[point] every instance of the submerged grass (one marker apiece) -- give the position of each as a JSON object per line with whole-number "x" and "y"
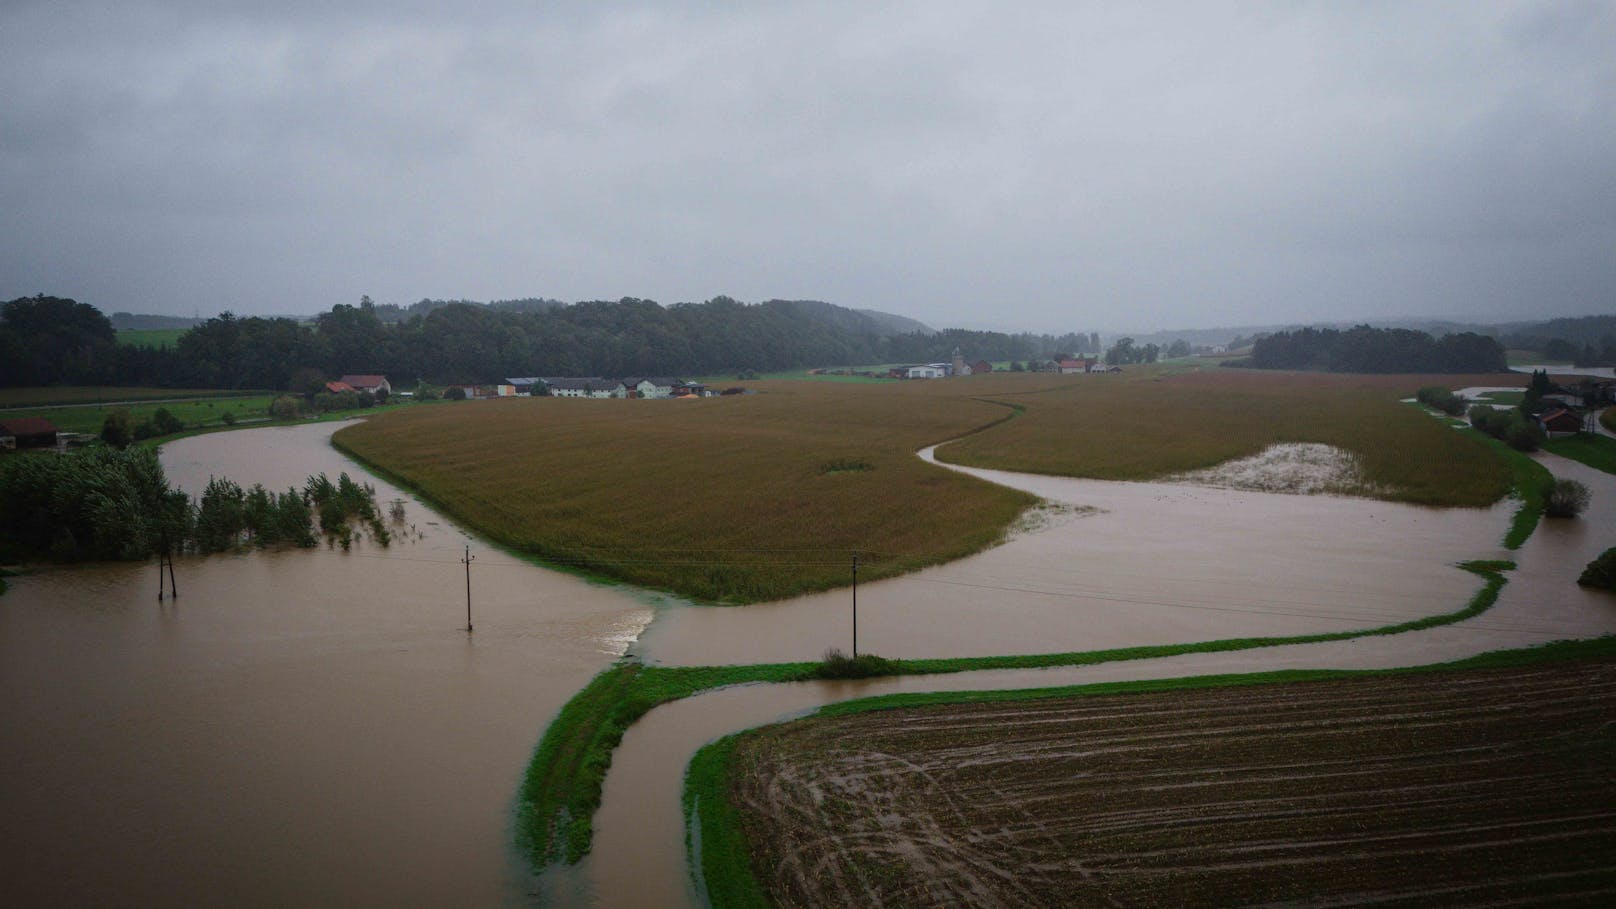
{"x": 717, "y": 846}
{"x": 89, "y": 418}
{"x": 562, "y": 787}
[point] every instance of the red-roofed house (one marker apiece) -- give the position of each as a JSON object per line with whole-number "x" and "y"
{"x": 372, "y": 384}
{"x": 338, "y": 388}
{"x": 1561, "y": 420}
{"x": 980, "y": 367}
{"x": 27, "y": 432}
{"x": 1068, "y": 367}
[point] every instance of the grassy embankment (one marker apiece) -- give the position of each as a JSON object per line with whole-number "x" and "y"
{"x": 1607, "y": 418}
{"x": 719, "y": 843}
{"x": 562, "y": 787}
{"x": 738, "y": 499}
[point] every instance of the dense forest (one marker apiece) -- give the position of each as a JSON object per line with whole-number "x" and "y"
{"x": 50, "y": 341}
{"x": 1382, "y": 350}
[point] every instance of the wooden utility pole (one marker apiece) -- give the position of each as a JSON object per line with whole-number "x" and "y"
{"x": 855, "y": 605}
{"x": 163, "y": 555}
{"x": 468, "y": 560}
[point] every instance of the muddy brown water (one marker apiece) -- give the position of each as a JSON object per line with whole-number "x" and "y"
{"x": 638, "y": 861}
{"x": 299, "y": 728}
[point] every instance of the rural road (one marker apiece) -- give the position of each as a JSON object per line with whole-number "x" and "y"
{"x": 639, "y": 859}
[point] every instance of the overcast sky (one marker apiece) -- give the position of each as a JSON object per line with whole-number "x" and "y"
{"x": 1059, "y": 166}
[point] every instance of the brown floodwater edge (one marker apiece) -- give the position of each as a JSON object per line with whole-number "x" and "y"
{"x": 299, "y": 727}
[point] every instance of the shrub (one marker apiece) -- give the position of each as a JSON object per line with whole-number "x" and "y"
{"x": 284, "y": 407}
{"x": 838, "y": 665}
{"x": 228, "y": 418}
{"x": 1478, "y": 415}
{"x": 118, "y": 429}
{"x": 1566, "y": 499}
{"x": 1524, "y": 436}
{"x": 425, "y": 392}
{"x": 166, "y": 423}
{"x": 1601, "y": 572}
{"x": 455, "y": 393}
{"x": 366, "y": 399}
{"x": 145, "y": 430}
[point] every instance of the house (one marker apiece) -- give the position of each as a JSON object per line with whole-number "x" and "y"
{"x": 655, "y": 386}
{"x": 376, "y": 385}
{"x": 1560, "y": 420}
{"x": 27, "y": 432}
{"x": 338, "y": 388}
{"x": 593, "y": 387}
{"x": 929, "y": 371}
{"x": 524, "y": 385}
{"x": 691, "y": 390}
{"x": 981, "y": 366}
{"x": 1070, "y": 366}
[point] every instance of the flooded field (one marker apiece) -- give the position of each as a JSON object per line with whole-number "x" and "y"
{"x": 300, "y": 727}
{"x": 636, "y": 861}
{"x": 1156, "y": 563}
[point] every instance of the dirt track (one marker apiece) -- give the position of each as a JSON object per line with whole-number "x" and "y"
{"x": 1479, "y": 788}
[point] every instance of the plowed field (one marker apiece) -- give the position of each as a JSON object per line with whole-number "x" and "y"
{"x": 1482, "y": 787}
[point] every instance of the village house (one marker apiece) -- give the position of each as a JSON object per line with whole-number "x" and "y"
{"x": 1070, "y": 366}
{"x": 338, "y": 388}
{"x": 653, "y": 386}
{"x": 592, "y": 387}
{"x": 981, "y": 366}
{"x": 27, "y": 432}
{"x": 1560, "y": 421}
{"x": 376, "y": 385}
{"x": 928, "y": 371}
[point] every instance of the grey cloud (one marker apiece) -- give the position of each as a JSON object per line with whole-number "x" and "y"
{"x": 1049, "y": 165}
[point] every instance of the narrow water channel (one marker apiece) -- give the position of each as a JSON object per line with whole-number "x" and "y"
{"x": 298, "y": 728}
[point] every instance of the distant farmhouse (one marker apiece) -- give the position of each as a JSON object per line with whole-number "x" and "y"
{"x": 591, "y": 387}
{"x": 373, "y": 384}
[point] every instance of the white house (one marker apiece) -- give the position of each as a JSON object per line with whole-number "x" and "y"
{"x": 586, "y": 388}
{"x": 930, "y": 371}
{"x": 657, "y": 386}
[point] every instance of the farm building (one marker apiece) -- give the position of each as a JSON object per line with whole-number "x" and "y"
{"x": 929, "y": 371}
{"x": 1072, "y": 367}
{"x": 653, "y": 386}
{"x": 372, "y": 384}
{"x": 1560, "y": 421}
{"x": 593, "y": 387}
{"x": 27, "y": 432}
{"x": 525, "y": 385}
{"x": 338, "y": 388}
{"x": 981, "y": 366}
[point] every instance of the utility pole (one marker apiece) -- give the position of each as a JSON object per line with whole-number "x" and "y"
{"x": 163, "y": 555}
{"x": 468, "y": 560}
{"x": 855, "y": 605}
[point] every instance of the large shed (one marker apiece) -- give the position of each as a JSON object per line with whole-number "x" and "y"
{"x": 27, "y": 432}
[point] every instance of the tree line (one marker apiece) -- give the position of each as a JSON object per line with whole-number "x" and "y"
{"x": 1365, "y": 349}
{"x": 104, "y": 503}
{"x": 51, "y": 340}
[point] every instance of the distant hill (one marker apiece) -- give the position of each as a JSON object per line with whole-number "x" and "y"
{"x": 897, "y": 325}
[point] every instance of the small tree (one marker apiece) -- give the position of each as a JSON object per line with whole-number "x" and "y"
{"x": 118, "y": 429}
{"x": 1601, "y": 572}
{"x": 1478, "y": 415}
{"x": 284, "y": 407}
{"x": 1524, "y": 435}
{"x": 166, "y": 423}
{"x": 1566, "y": 499}
{"x": 454, "y": 393}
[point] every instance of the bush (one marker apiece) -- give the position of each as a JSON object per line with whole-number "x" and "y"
{"x": 1442, "y": 399}
{"x": 284, "y": 407}
{"x": 1478, "y": 415}
{"x": 326, "y": 402}
{"x": 1566, "y": 499}
{"x": 425, "y": 392}
{"x": 1524, "y": 436}
{"x": 166, "y": 423}
{"x": 229, "y": 419}
{"x": 145, "y": 430}
{"x": 118, "y": 429}
{"x": 1601, "y": 572}
{"x": 455, "y": 393}
{"x": 838, "y": 665}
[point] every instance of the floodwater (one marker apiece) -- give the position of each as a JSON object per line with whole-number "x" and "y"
{"x": 299, "y": 727}
{"x": 638, "y": 859}
{"x": 1159, "y": 563}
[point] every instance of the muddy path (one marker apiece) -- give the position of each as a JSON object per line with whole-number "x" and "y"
{"x": 639, "y": 860}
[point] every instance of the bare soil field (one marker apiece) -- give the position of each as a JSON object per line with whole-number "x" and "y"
{"x": 1477, "y": 787}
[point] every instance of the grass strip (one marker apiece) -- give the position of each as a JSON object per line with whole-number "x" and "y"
{"x": 1598, "y": 452}
{"x": 716, "y": 843}
{"x": 562, "y": 787}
